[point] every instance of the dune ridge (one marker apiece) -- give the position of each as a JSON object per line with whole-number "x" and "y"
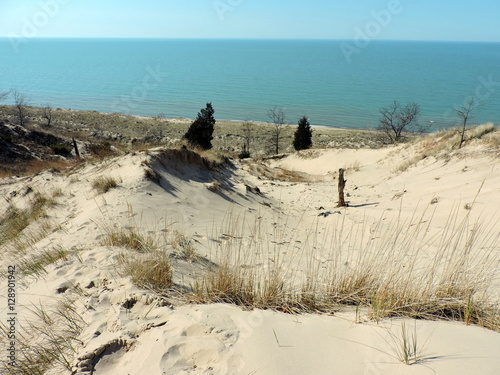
{"x": 195, "y": 263}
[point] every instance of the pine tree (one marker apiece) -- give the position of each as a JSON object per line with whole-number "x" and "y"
{"x": 200, "y": 132}
{"x": 303, "y": 135}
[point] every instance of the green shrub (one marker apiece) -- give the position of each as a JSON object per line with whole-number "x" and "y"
{"x": 303, "y": 135}
{"x": 200, "y": 132}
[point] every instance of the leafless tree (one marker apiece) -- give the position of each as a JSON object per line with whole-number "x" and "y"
{"x": 248, "y": 134}
{"x": 464, "y": 114}
{"x": 21, "y": 103}
{"x": 278, "y": 117}
{"x": 47, "y": 114}
{"x": 397, "y": 119}
{"x": 4, "y": 94}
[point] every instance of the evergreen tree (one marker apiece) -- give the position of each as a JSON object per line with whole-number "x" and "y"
{"x": 303, "y": 135}
{"x": 200, "y": 132}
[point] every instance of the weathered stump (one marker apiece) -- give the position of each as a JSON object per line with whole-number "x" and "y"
{"x": 75, "y": 146}
{"x": 341, "y": 202}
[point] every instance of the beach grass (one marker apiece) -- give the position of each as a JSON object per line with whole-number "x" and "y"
{"x": 151, "y": 270}
{"x": 35, "y": 264}
{"x": 395, "y": 271}
{"x": 103, "y": 184}
{"x": 15, "y": 220}
{"x": 48, "y": 340}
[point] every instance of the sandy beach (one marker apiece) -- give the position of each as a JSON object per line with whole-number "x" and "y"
{"x": 164, "y": 260}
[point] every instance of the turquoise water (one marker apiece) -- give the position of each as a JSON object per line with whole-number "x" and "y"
{"x": 244, "y": 78}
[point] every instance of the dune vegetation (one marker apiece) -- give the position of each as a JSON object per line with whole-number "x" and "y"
{"x": 137, "y": 233}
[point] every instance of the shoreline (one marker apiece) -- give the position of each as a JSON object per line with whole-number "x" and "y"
{"x": 236, "y": 121}
{"x": 187, "y": 120}
{"x": 109, "y": 133}
{"x": 190, "y": 120}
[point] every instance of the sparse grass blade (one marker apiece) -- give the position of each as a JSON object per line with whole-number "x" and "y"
{"x": 35, "y": 265}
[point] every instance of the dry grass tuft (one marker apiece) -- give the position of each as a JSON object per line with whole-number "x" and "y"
{"x": 57, "y": 193}
{"x": 39, "y": 203}
{"x": 480, "y": 131}
{"x": 103, "y": 184}
{"x": 32, "y": 167}
{"x": 35, "y": 264}
{"x": 251, "y": 273}
{"x": 226, "y": 285}
{"x": 215, "y": 186}
{"x": 150, "y": 270}
{"x": 262, "y": 170}
{"x": 32, "y": 235}
{"x": 492, "y": 140}
{"x": 151, "y": 175}
{"x": 129, "y": 239}
{"x": 184, "y": 245}
{"x": 410, "y": 162}
{"x": 14, "y": 221}
{"x": 443, "y": 143}
{"x": 209, "y": 159}
{"x": 354, "y": 166}
{"x": 212, "y": 158}
{"x": 245, "y": 287}
{"x": 394, "y": 277}
{"x": 102, "y": 150}
{"x": 395, "y": 270}
{"x": 148, "y": 265}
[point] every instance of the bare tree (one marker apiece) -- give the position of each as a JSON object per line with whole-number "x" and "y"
{"x": 397, "y": 119}
{"x": 278, "y": 117}
{"x": 464, "y": 114}
{"x": 21, "y": 103}
{"x": 4, "y": 94}
{"x": 47, "y": 114}
{"x": 248, "y": 134}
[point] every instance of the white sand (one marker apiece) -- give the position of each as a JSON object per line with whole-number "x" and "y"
{"x": 154, "y": 339}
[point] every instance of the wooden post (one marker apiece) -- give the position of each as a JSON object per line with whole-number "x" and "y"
{"x": 341, "y": 202}
{"x": 77, "y": 153}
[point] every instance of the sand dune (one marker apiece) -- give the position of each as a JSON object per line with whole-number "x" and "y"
{"x": 200, "y": 210}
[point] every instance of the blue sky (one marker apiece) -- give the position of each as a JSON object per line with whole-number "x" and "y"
{"x": 312, "y": 19}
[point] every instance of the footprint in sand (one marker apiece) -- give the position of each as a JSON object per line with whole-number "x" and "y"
{"x": 197, "y": 330}
{"x": 83, "y": 226}
{"x": 62, "y": 272}
{"x": 199, "y": 353}
{"x": 103, "y": 357}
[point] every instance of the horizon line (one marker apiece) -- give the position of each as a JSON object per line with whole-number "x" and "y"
{"x": 245, "y": 38}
